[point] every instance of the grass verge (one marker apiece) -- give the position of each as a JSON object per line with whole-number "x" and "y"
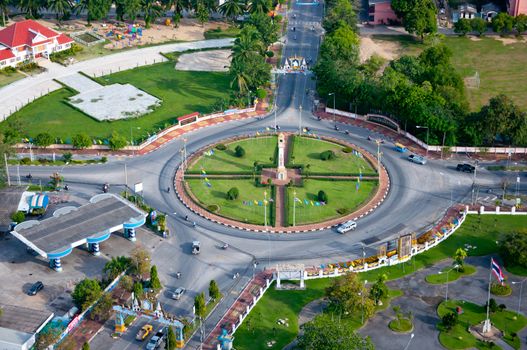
{"x": 453, "y": 275}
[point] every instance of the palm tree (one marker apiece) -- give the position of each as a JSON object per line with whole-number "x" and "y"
{"x": 61, "y": 8}
{"x": 247, "y": 43}
{"x": 231, "y": 9}
{"x": 260, "y": 6}
{"x": 117, "y": 265}
{"x": 239, "y": 76}
{"x": 31, "y": 7}
{"x": 5, "y": 11}
{"x": 151, "y": 11}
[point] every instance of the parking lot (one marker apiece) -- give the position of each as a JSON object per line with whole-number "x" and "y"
{"x": 20, "y": 269}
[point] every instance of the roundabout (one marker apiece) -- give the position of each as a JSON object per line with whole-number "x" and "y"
{"x": 281, "y": 182}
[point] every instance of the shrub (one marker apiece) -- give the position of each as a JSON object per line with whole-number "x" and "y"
{"x": 25, "y": 161}
{"x": 117, "y": 141}
{"x": 322, "y": 196}
{"x": 343, "y": 211}
{"x": 493, "y": 306}
{"x": 66, "y": 157}
{"x": 269, "y": 54}
{"x": 513, "y": 249}
{"x": 449, "y": 320}
{"x": 18, "y": 216}
{"x": 104, "y": 159}
{"x": 81, "y": 140}
{"x": 44, "y": 139}
{"x": 213, "y": 208}
{"x": 261, "y": 93}
{"x": 233, "y": 193}
{"x": 86, "y": 292}
{"x": 499, "y": 289}
{"x": 239, "y": 151}
{"x": 347, "y": 150}
{"x": 327, "y": 155}
{"x": 221, "y": 147}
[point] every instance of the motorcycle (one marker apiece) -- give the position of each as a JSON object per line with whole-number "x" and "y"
{"x": 225, "y": 246}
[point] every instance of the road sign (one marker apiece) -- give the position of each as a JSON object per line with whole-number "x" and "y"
{"x": 138, "y": 187}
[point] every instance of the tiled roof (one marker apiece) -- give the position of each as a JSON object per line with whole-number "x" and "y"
{"x": 6, "y": 54}
{"x": 64, "y": 39}
{"x": 23, "y": 33}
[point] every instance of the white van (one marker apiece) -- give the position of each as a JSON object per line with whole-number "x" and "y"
{"x": 347, "y": 226}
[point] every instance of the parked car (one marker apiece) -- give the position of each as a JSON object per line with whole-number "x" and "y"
{"x": 465, "y": 168}
{"x": 196, "y": 245}
{"x": 178, "y": 293}
{"x": 417, "y": 159}
{"x": 156, "y": 340}
{"x": 347, "y": 226}
{"x": 35, "y": 288}
{"x": 144, "y": 332}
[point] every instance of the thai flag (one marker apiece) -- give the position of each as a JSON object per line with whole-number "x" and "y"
{"x": 497, "y": 271}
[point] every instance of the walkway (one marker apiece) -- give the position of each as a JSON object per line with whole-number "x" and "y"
{"x": 279, "y": 207}
{"x": 79, "y": 82}
{"x": 18, "y": 94}
{"x": 307, "y": 314}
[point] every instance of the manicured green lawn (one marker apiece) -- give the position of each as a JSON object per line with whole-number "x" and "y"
{"x": 460, "y": 338}
{"x": 182, "y": 92}
{"x": 401, "y": 326}
{"x": 453, "y": 275}
{"x": 220, "y": 33}
{"x": 307, "y": 151}
{"x": 500, "y": 67}
{"x": 260, "y": 149}
{"x": 341, "y": 195}
{"x": 261, "y": 325}
{"x": 8, "y": 78}
{"x": 234, "y": 209}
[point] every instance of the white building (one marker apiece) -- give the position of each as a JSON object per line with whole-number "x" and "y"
{"x": 28, "y": 40}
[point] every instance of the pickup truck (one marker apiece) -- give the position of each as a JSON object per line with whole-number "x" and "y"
{"x": 144, "y": 332}
{"x": 196, "y": 247}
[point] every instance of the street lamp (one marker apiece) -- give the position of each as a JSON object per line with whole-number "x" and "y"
{"x": 334, "y": 120}
{"x": 362, "y": 295}
{"x": 409, "y": 341}
{"x": 441, "y": 272}
{"x": 427, "y": 130}
{"x": 521, "y": 290}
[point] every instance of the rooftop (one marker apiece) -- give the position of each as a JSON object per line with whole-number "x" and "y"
{"x": 10, "y": 198}
{"x": 70, "y": 226}
{"x": 23, "y": 319}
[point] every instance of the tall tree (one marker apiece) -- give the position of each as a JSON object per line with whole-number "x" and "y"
{"x": 327, "y": 333}
{"x": 4, "y": 8}
{"x": 202, "y": 13}
{"x": 347, "y": 296}
{"x": 62, "y": 8}
{"x": 117, "y": 265}
{"x": 151, "y": 11}
{"x": 239, "y": 77}
{"x": 127, "y": 9}
{"x": 170, "y": 343}
{"x": 479, "y": 25}
{"x": 502, "y": 23}
{"x": 31, "y": 7}
{"x": 95, "y": 9}
{"x": 340, "y": 13}
{"x": 86, "y": 292}
{"x": 200, "y": 305}
{"x": 231, "y": 9}
{"x": 463, "y": 26}
{"x": 140, "y": 261}
{"x": 214, "y": 290}
{"x": 155, "y": 283}
{"x": 266, "y": 27}
{"x": 260, "y": 6}
{"x": 419, "y": 16}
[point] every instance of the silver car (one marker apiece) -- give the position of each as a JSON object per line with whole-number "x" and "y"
{"x": 178, "y": 293}
{"x": 417, "y": 159}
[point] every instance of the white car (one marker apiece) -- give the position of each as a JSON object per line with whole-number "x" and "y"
{"x": 347, "y": 226}
{"x": 178, "y": 293}
{"x": 417, "y": 159}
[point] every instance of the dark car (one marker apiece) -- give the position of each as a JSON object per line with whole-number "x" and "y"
{"x": 35, "y": 288}
{"x": 465, "y": 168}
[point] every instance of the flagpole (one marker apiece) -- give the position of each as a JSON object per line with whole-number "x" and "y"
{"x": 486, "y": 325}
{"x": 265, "y": 209}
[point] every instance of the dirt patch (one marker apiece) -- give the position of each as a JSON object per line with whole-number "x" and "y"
{"x": 474, "y": 38}
{"x": 207, "y": 61}
{"x": 507, "y": 41}
{"x": 189, "y": 29}
{"x": 388, "y": 50}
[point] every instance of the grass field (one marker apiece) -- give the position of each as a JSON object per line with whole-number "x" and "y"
{"x": 307, "y": 151}
{"x": 500, "y": 66}
{"x": 217, "y": 195}
{"x": 261, "y": 324}
{"x": 453, "y": 275}
{"x": 259, "y": 149}
{"x": 341, "y": 195}
{"x": 8, "y": 78}
{"x": 182, "y": 92}
{"x": 459, "y": 337}
{"x": 403, "y": 325}
{"x": 220, "y": 33}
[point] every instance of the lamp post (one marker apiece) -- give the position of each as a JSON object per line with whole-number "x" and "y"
{"x": 334, "y": 118}
{"x": 300, "y": 120}
{"x": 440, "y": 272}
{"x": 362, "y": 295}
{"x": 409, "y": 341}
{"x": 521, "y": 290}
{"x": 427, "y": 134}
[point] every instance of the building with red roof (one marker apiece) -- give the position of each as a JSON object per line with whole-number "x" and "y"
{"x": 28, "y": 40}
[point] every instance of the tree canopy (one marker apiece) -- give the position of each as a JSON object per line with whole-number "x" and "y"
{"x": 86, "y": 292}
{"x": 419, "y": 16}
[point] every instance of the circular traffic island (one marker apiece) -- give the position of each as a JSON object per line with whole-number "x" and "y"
{"x": 281, "y": 182}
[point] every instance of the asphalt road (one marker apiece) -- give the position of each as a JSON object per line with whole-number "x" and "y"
{"x": 419, "y": 194}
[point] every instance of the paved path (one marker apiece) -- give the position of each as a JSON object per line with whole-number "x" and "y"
{"x": 307, "y": 314}
{"x": 18, "y": 94}
{"x": 422, "y": 299}
{"x": 79, "y": 82}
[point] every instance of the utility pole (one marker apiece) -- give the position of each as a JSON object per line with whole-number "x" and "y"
{"x": 7, "y": 170}
{"x": 300, "y": 120}
{"x": 275, "y": 125}
{"x": 265, "y": 209}
{"x": 125, "y": 177}
{"x": 378, "y": 157}
{"x": 18, "y": 174}
{"x": 294, "y": 208}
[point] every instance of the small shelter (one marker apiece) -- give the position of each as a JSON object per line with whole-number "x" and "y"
{"x": 489, "y": 11}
